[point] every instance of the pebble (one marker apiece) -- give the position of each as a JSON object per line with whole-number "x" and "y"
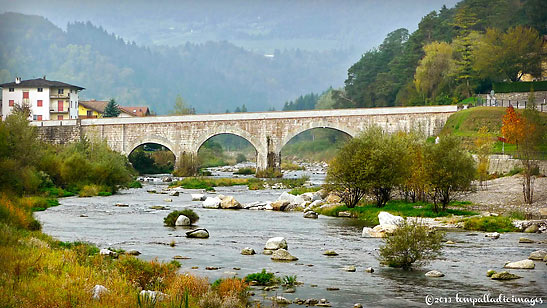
{"x": 358, "y": 305}
{"x": 349, "y": 268}
{"x": 434, "y": 274}
{"x": 212, "y": 268}
{"x": 450, "y": 243}
{"x": 332, "y": 289}
{"x": 194, "y": 267}
{"x": 330, "y": 253}
{"x": 291, "y": 290}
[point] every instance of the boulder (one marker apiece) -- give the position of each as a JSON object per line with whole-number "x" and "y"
{"x": 386, "y": 218}
{"x": 268, "y": 207}
{"x": 276, "y": 243}
{"x": 330, "y": 253}
{"x": 280, "y": 205}
{"x": 315, "y": 203}
{"x": 543, "y": 212}
{"x": 434, "y": 274}
{"x": 153, "y": 295}
{"x": 490, "y": 272}
{"x": 358, "y": 305}
{"x": 369, "y": 270}
{"x": 98, "y": 290}
{"x": 378, "y": 231}
{"x": 230, "y": 202}
{"x": 522, "y": 264}
{"x": 122, "y": 204}
{"x": 107, "y": 252}
{"x": 281, "y": 300}
{"x": 333, "y": 198}
{"x": 182, "y": 221}
{"x": 525, "y": 240}
{"x": 532, "y": 229}
{"x": 174, "y": 193}
{"x": 299, "y": 200}
{"x": 247, "y": 251}
{"x": 311, "y": 214}
{"x": 349, "y": 268}
{"x": 198, "y": 197}
{"x": 287, "y": 197}
{"x": 168, "y": 200}
{"x": 267, "y": 252}
{"x": 538, "y": 255}
{"x": 504, "y": 276}
{"x": 198, "y": 233}
{"x": 344, "y": 214}
{"x": 494, "y": 235}
{"x": 311, "y": 196}
{"x": 133, "y": 252}
{"x": 211, "y": 203}
{"x": 283, "y": 255}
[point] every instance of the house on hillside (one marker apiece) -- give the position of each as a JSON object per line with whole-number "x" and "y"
{"x": 95, "y": 109}
{"x": 47, "y": 99}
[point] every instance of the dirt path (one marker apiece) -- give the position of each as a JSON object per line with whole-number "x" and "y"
{"x": 505, "y": 195}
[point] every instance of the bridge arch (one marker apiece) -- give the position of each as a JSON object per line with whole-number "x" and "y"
{"x": 300, "y": 129}
{"x": 253, "y": 140}
{"x": 152, "y": 139}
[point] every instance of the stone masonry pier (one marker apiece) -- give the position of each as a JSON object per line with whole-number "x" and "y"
{"x": 268, "y": 132}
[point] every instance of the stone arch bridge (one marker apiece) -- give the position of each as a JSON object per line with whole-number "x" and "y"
{"x": 268, "y": 132}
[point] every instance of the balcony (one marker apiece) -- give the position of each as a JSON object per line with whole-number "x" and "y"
{"x": 65, "y": 95}
{"x": 56, "y": 110}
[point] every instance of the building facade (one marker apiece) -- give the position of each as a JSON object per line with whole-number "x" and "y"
{"x": 95, "y": 109}
{"x": 47, "y": 99}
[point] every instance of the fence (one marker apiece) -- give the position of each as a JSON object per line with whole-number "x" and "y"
{"x": 493, "y": 102}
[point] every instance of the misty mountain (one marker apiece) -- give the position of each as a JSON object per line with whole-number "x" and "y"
{"x": 212, "y": 77}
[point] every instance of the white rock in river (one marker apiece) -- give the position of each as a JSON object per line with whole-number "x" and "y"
{"x": 282, "y": 255}
{"x": 386, "y": 218}
{"x": 522, "y": 264}
{"x": 494, "y": 235}
{"x": 98, "y": 290}
{"x": 276, "y": 243}
{"x": 316, "y": 203}
{"x": 198, "y": 197}
{"x": 182, "y": 221}
{"x": 198, "y": 233}
{"x": 311, "y": 214}
{"x": 229, "y": 202}
{"x": 248, "y": 251}
{"x": 434, "y": 274}
{"x": 286, "y": 196}
{"x": 211, "y": 203}
{"x": 538, "y": 255}
{"x": 174, "y": 193}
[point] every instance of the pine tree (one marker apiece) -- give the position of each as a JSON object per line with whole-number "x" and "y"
{"x": 112, "y": 109}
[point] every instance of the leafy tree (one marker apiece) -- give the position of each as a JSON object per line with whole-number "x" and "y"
{"x": 507, "y": 56}
{"x": 181, "y": 107}
{"x": 513, "y": 128}
{"x": 483, "y": 147}
{"x": 370, "y": 163}
{"x": 433, "y": 72}
{"x": 450, "y": 169}
{"x": 112, "y": 109}
{"x": 411, "y": 243}
{"x": 415, "y": 184}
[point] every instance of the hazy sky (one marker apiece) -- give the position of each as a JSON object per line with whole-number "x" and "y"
{"x": 258, "y": 25}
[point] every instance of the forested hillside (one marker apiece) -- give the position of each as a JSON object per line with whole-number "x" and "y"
{"x": 453, "y": 54}
{"x": 211, "y": 77}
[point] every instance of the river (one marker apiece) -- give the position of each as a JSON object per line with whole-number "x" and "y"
{"x": 98, "y": 221}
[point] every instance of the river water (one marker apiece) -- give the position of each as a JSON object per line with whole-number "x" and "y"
{"x": 141, "y": 228}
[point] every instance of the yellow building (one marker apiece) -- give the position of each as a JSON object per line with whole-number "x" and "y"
{"x": 91, "y": 109}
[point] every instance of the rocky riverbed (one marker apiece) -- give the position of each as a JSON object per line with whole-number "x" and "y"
{"x": 350, "y": 275}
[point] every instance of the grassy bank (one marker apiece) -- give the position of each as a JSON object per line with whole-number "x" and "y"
{"x": 209, "y": 184}
{"x": 369, "y": 212}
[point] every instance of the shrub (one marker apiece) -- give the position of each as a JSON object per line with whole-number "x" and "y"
{"x": 240, "y": 158}
{"x": 90, "y": 190}
{"x": 196, "y": 286}
{"x": 231, "y": 287}
{"x": 245, "y": 171}
{"x": 134, "y": 184}
{"x": 489, "y": 224}
{"x": 289, "y": 281}
{"x": 411, "y": 243}
{"x": 148, "y": 275}
{"x": 269, "y": 173}
{"x": 262, "y": 278}
{"x": 172, "y": 217}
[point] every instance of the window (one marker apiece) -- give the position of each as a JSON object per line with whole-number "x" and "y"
{"x": 40, "y": 89}
{"x": 60, "y": 105}
{"x": 11, "y": 89}
{"x": 89, "y": 113}
{"x": 40, "y": 103}
{"x": 60, "y": 91}
{"x": 25, "y": 95}
{"x": 34, "y": 117}
{"x": 11, "y": 102}
{"x": 60, "y": 117}
{"x": 39, "y": 118}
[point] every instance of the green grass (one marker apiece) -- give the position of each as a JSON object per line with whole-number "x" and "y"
{"x": 369, "y": 213}
{"x": 37, "y": 203}
{"x": 262, "y": 278}
{"x": 208, "y": 183}
{"x": 135, "y": 184}
{"x": 301, "y": 190}
{"x": 489, "y": 224}
{"x": 57, "y": 192}
{"x": 245, "y": 171}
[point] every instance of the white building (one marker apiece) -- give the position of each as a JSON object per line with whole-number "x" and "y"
{"x": 48, "y": 99}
